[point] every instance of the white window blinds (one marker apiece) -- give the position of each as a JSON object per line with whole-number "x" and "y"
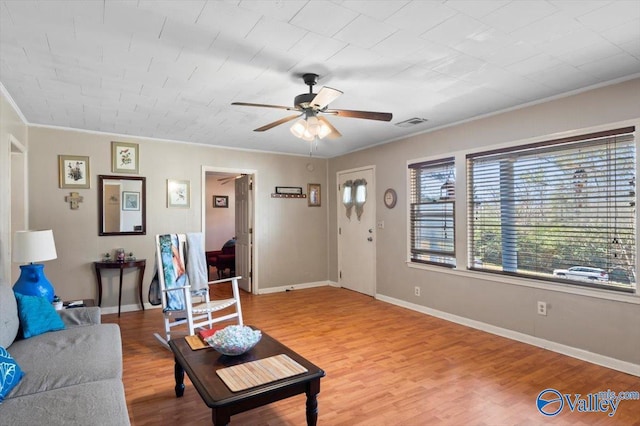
{"x": 432, "y": 212}
{"x": 561, "y": 210}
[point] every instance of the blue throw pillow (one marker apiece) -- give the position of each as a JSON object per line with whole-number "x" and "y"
{"x": 10, "y": 373}
{"x": 37, "y": 315}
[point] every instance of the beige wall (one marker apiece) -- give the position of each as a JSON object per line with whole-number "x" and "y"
{"x": 10, "y": 126}
{"x": 284, "y": 228}
{"x": 596, "y": 325}
{"x": 297, "y": 244}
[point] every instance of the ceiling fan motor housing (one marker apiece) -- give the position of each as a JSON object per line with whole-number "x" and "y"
{"x": 304, "y": 100}
{"x": 310, "y": 79}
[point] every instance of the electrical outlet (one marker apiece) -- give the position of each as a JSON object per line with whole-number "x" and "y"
{"x": 542, "y": 308}
{"x": 416, "y": 291}
{"x": 381, "y": 224}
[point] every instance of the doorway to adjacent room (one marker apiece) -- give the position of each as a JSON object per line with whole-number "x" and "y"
{"x": 228, "y": 220}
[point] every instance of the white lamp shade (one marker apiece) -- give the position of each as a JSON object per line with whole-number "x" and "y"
{"x": 33, "y": 246}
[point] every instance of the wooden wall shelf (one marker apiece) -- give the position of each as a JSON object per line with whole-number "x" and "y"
{"x": 274, "y": 195}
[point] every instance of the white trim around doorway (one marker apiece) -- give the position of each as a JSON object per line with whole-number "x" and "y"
{"x": 256, "y": 211}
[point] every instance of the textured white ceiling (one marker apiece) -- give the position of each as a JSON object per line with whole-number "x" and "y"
{"x": 171, "y": 69}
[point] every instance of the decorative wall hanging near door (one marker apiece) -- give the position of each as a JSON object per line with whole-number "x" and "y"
{"x": 354, "y": 193}
{"x": 347, "y": 197}
{"x": 360, "y": 186}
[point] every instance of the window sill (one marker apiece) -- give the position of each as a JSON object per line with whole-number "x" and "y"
{"x": 532, "y": 283}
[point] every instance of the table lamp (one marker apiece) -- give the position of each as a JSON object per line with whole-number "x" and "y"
{"x": 34, "y": 246}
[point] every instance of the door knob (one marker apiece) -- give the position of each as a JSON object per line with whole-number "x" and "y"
{"x": 370, "y": 239}
{"x": 371, "y": 230}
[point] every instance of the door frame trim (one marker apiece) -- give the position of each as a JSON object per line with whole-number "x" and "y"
{"x": 339, "y": 207}
{"x": 16, "y": 149}
{"x": 254, "y": 207}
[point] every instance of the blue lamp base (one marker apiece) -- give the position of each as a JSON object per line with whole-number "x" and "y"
{"x": 32, "y": 282}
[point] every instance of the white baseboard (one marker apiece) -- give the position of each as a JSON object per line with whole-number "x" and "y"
{"x": 594, "y": 358}
{"x": 293, "y": 287}
{"x": 126, "y": 308}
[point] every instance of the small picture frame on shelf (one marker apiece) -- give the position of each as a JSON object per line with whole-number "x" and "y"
{"x": 178, "y": 193}
{"x": 124, "y": 157}
{"x": 313, "y": 195}
{"x": 221, "y": 201}
{"x": 120, "y": 256}
{"x": 73, "y": 171}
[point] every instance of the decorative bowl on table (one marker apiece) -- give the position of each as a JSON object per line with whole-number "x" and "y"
{"x": 234, "y": 339}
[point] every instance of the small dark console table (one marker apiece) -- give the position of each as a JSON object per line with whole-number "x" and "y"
{"x": 138, "y": 264}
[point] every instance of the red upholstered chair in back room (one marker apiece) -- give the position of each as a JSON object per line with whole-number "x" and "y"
{"x": 223, "y": 259}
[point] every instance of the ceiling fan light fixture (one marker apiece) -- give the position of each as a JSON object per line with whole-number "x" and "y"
{"x": 312, "y": 124}
{"x": 299, "y": 128}
{"x": 308, "y": 128}
{"x": 323, "y": 130}
{"x": 308, "y": 135}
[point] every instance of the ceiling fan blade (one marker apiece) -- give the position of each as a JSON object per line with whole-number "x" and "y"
{"x": 334, "y": 132}
{"x": 263, "y": 105}
{"x": 367, "y": 115}
{"x": 325, "y": 96}
{"x": 228, "y": 179}
{"x": 277, "y": 123}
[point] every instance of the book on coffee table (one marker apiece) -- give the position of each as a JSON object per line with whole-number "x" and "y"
{"x": 195, "y": 342}
{"x": 207, "y": 332}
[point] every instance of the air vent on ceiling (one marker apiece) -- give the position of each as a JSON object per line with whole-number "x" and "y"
{"x": 411, "y": 122}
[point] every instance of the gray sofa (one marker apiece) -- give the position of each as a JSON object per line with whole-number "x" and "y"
{"x": 71, "y": 377}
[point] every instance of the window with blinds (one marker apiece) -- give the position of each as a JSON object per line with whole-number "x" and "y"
{"x": 432, "y": 212}
{"x": 561, "y": 210}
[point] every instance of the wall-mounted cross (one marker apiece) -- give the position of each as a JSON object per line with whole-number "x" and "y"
{"x": 74, "y": 199}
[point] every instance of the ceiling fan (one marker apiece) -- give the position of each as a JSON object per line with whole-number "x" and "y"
{"x": 310, "y": 108}
{"x": 228, "y": 179}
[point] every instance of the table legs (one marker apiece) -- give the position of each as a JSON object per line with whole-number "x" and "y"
{"x": 140, "y": 278}
{"x": 120, "y": 291}
{"x": 313, "y": 389}
{"x": 139, "y": 265}
{"x": 178, "y": 373}
{"x": 220, "y": 416}
{"x": 99, "y": 278}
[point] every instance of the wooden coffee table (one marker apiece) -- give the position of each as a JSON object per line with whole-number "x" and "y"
{"x": 201, "y": 366}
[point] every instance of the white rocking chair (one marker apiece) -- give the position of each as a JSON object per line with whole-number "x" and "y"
{"x": 179, "y": 305}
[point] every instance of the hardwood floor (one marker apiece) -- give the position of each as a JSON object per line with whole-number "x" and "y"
{"x": 384, "y": 365}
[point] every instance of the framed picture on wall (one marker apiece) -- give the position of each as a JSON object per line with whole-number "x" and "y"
{"x": 178, "y": 193}
{"x": 313, "y": 195}
{"x": 130, "y": 200}
{"x": 73, "y": 171}
{"x": 124, "y": 157}
{"x": 221, "y": 201}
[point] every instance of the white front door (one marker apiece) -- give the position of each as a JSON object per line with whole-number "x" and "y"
{"x": 356, "y": 236}
{"x": 243, "y": 231}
